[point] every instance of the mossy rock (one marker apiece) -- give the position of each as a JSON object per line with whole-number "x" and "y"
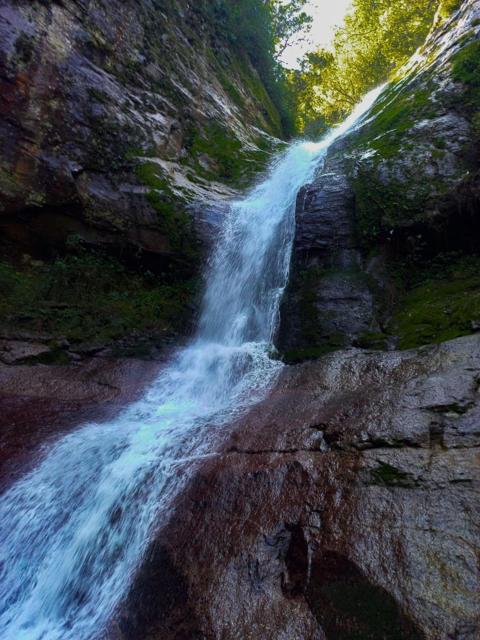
{"x": 442, "y": 305}
{"x": 389, "y": 476}
{"x": 328, "y": 345}
{"x": 88, "y": 296}
{"x": 173, "y": 219}
{"x": 466, "y": 69}
{"x": 231, "y": 163}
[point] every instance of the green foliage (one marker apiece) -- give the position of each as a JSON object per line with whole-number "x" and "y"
{"x": 256, "y": 28}
{"x": 378, "y": 36}
{"x": 290, "y": 23}
{"x": 88, "y": 296}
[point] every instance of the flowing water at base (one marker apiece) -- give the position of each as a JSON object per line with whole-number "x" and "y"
{"x": 73, "y": 531}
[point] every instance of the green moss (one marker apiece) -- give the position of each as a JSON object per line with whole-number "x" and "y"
{"x": 318, "y": 331}
{"x": 258, "y": 90}
{"x": 9, "y": 184}
{"x": 466, "y": 69}
{"x": 172, "y": 217}
{"x": 231, "y": 90}
{"x": 231, "y": 163}
{"x": 372, "y": 340}
{"x": 222, "y": 147}
{"x": 329, "y": 344}
{"x": 387, "y": 203}
{"x": 98, "y": 95}
{"x": 447, "y": 7}
{"x": 441, "y": 306}
{"x": 389, "y": 476}
{"x": 394, "y": 114}
{"x": 25, "y": 47}
{"x": 90, "y": 297}
{"x": 454, "y": 408}
{"x": 381, "y": 207}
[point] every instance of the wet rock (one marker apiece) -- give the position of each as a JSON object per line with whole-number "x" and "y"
{"x": 330, "y": 299}
{"x": 15, "y": 351}
{"x": 39, "y": 402}
{"x": 394, "y": 202}
{"x": 89, "y": 94}
{"x": 414, "y": 173}
{"x": 366, "y": 530}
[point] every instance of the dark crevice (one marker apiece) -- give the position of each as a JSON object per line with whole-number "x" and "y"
{"x": 294, "y": 581}
{"x": 350, "y": 606}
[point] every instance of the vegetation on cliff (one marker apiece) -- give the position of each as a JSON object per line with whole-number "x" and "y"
{"x": 376, "y": 38}
{"x": 262, "y": 29}
{"x": 182, "y": 102}
{"x": 90, "y": 297}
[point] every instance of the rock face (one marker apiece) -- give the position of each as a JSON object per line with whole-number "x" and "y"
{"x": 41, "y": 402}
{"x": 105, "y": 109}
{"x": 343, "y": 506}
{"x": 386, "y": 230}
{"x": 329, "y": 302}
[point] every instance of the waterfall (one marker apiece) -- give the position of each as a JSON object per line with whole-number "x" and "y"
{"x": 73, "y": 530}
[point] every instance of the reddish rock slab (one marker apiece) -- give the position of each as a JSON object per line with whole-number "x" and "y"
{"x": 345, "y": 505}
{"x": 38, "y": 402}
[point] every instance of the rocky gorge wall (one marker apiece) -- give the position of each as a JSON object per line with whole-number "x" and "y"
{"x": 117, "y": 120}
{"x": 386, "y": 249}
{"x": 100, "y": 97}
{"x": 345, "y": 505}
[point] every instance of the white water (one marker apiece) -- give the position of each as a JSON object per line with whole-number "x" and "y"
{"x": 73, "y": 531}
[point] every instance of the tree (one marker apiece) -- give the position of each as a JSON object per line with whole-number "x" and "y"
{"x": 290, "y": 23}
{"x": 377, "y": 37}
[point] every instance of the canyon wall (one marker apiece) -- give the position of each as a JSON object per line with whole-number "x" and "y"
{"x": 124, "y": 127}
{"x": 386, "y": 249}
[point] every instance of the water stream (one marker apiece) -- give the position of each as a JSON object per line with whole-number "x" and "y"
{"x": 73, "y": 530}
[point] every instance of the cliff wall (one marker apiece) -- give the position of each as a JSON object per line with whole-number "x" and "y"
{"x": 386, "y": 249}
{"x": 121, "y": 123}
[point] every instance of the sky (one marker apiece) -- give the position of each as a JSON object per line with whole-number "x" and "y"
{"x": 327, "y": 15}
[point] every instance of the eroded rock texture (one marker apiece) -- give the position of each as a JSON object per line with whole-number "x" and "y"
{"x": 330, "y": 300}
{"x": 346, "y": 505}
{"x": 106, "y": 108}
{"x": 394, "y": 209}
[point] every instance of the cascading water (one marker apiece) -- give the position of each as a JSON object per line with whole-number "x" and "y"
{"x": 73, "y": 531}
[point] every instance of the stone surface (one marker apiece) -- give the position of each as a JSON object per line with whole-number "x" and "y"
{"x": 415, "y": 165}
{"x": 90, "y": 91}
{"x": 343, "y": 506}
{"x": 41, "y": 402}
{"x": 13, "y": 351}
{"x": 329, "y": 302}
{"x": 391, "y": 197}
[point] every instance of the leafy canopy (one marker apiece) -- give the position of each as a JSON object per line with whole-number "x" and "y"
{"x": 262, "y": 29}
{"x": 290, "y": 23}
{"x": 377, "y": 37}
